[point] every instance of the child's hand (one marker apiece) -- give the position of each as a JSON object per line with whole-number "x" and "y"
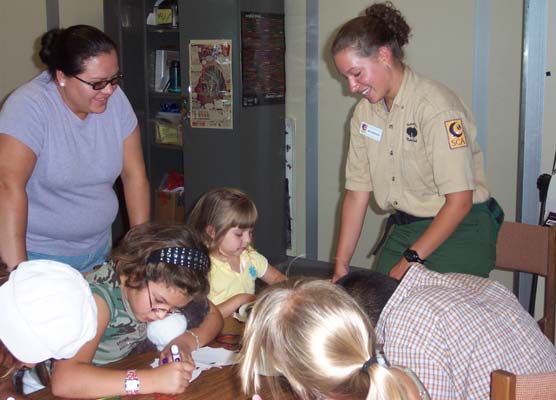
{"x": 228, "y": 307}
{"x": 173, "y": 378}
{"x": 185, "y": 350}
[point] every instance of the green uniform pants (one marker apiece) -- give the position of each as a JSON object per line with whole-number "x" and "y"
{"x": 471, "y": 249}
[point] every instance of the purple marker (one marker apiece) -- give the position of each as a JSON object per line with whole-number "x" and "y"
{"x": 175, "y": 353}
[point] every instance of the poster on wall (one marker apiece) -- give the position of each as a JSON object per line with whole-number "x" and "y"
{"x": 262, "y": 59}
{"x": 210, "y": 75}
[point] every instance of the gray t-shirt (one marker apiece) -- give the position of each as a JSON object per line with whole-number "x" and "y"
{"x": 70, "y": 193}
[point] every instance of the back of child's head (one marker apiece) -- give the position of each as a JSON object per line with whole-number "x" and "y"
{"x": 170, "y": 254}
{"x": 316, "y": 336}
{"x": 219, "y": 210}
{"x": 370, "y": 289}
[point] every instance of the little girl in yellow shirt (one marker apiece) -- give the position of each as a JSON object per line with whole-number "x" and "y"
{"x": 225, "y": 218}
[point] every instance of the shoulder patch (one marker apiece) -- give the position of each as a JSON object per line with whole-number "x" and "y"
{"x": 456, "y": 134}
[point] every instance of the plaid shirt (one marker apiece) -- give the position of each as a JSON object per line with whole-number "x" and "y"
{"x": 453, "y": 330}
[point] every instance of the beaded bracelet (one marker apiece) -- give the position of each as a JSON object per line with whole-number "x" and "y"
{"x": 196, "y": 338}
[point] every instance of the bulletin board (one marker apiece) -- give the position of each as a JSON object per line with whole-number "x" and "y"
{"x": 262, "y": 59}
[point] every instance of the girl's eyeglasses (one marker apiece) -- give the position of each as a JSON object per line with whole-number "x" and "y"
{"x": 159, "y": 311}
{"x": 102, "y": 84}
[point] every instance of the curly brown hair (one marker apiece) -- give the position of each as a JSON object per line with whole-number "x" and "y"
{"x": 132, "y": 254}
{"x": 382, "y": 25}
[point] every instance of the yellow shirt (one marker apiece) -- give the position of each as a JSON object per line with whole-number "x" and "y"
{"x": 225, "y": 282}
{"x": 424, "y": 148}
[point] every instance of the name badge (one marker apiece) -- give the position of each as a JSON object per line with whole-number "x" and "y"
{"x": 370, "y": 131}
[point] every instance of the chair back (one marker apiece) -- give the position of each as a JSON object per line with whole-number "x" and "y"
{"x": 531, "y": 248}
{"x": 507, "y": 386}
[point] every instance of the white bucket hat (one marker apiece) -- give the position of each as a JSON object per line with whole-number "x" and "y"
{"x": 48, "y": 311}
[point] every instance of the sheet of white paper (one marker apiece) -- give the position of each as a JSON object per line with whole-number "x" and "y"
{"x": 208, "y": 357}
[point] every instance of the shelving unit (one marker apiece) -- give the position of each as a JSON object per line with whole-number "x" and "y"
{"x": 251, "y": 154}
{"x": 125, "y": 22}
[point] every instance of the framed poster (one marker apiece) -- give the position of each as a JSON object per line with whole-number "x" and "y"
{"x": 262, "y": 59}
{"x": 210, "y": 75}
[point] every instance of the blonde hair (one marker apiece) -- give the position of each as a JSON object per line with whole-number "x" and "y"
{"x": 315, "y": 335}
{"x": 221, "y": 209}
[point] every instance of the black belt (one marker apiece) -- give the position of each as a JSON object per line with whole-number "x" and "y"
{"x": 401, "y": 218}
{"x": 398, "y": 218}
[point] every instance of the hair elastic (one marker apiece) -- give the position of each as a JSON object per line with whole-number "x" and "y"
{"x": 368, "y": 363}
{"x": 182, "y": 256}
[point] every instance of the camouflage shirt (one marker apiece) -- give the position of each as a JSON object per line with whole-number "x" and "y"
{"x": 124, "y": 331}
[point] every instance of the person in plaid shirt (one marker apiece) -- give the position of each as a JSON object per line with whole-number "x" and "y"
{"x": 451, "y": 329}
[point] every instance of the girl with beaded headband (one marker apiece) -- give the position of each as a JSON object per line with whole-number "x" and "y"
{"x": 155, "y": 271}
{"x": 225, "y": 218}
{"x": 312, "y": 333}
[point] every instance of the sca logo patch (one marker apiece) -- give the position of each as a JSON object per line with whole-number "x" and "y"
{"x": 456, "y": 135}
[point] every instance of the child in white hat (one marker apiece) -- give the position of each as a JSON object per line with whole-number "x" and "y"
{"x": 48, "y": 311}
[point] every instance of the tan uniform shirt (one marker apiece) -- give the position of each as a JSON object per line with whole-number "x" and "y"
{"x": 424, "y": 148}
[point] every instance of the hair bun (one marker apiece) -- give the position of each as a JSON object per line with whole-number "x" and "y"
{"x": 49, "y": 40}
{"x": 392, "y": 18}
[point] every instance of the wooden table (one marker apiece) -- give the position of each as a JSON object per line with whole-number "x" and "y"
{"x": 216, "y": 383}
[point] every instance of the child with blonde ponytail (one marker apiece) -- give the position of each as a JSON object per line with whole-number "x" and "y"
{"x": 315, "y": 335}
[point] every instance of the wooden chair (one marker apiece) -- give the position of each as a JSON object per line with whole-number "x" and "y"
{"x": 531, "y": 248}
{"x": 507, "y": 386}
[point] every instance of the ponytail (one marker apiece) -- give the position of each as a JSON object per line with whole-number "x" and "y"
{"x": 383, "y": 385}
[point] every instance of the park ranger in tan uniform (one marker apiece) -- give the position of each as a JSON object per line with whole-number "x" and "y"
{"x": 413, "y": 144}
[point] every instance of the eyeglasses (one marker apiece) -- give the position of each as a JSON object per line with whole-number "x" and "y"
{"x": 102, "y": 84}
{"x": 159, "y": 310}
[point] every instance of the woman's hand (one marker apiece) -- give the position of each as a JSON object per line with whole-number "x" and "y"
{"x": 17, "y": 162}
{"x": 400, "y": 269}
{"x": 354, "y": 208}
{"x": 339, "y": 271}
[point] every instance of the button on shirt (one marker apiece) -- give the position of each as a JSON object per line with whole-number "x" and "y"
{"x": 417, "y": 158}
{"x": 453, "y": 330}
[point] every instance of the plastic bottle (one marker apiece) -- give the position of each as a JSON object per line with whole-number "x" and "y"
{"x": 175, "y": 77}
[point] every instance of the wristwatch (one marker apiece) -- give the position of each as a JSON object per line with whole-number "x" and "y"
{"x": 412, "y": 256}
{"x": 131, "y": 382}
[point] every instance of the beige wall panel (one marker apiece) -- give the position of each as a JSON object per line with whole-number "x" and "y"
{"x": 75, "y": 12}
{"x": 22, "y": 23}
{"x": 335, "y": 107}
{"x": 549, "y": 125}
{"x": 504, "y": 103}
{"x": 504, "y": 108}
{"x": 295, "y": 17}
